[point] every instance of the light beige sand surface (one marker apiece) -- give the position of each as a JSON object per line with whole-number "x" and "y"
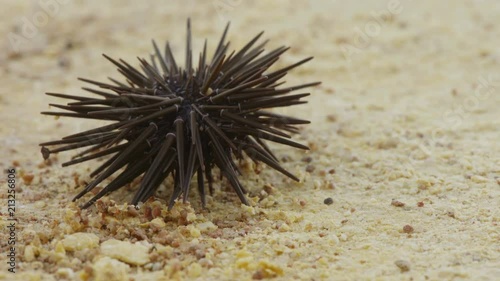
{"x": 405, "y": 139}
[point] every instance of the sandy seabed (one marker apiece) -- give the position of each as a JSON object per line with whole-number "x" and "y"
{"x": 404, "y": 139}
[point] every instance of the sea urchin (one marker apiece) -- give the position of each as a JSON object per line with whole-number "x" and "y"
{"x": 169, "y": 120}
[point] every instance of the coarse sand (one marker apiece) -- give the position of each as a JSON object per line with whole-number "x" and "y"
{"x": 402, "y": 181}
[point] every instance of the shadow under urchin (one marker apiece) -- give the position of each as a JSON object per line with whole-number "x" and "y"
{"x": 168, "y": 120}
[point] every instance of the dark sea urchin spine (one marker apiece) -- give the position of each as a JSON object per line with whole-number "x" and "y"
{"x": 167, "y": 120}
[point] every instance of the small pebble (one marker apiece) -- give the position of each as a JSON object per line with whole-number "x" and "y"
{"x": 331, "y": 185}
{"x": 317, "y": 184}
{"x": 307, "y": 159}
{"x": 133, "y": 254}
{"x": 69, "y": 45}
{"x": 310, "y": 168}
{"x": 331, "y": 117}
{"x": 286, "y": 158}
{"x": 64, "y": 62}
{"x": 28, "y": 178}
{"x": 397, "y": 203}
{"x": 109, "y": 269}
{"x": 79, "y": 241}
{"x": 207, "y": 226}
{"x": 403, "y": 265}
{"x": 328, "y": 201}
{"x": 269, "y": 189}
{"x": 408, "y": 229}
{"x": 258, "y": 275}
{"x": 284, "y": 227}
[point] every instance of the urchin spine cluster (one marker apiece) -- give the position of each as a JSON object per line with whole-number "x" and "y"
{"x": 168, "y": 120}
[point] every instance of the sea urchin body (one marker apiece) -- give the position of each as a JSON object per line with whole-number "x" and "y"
{"x": 168, "y": 120}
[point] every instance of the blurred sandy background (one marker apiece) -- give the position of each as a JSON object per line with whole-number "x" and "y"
{"x": 405, "y": 135}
